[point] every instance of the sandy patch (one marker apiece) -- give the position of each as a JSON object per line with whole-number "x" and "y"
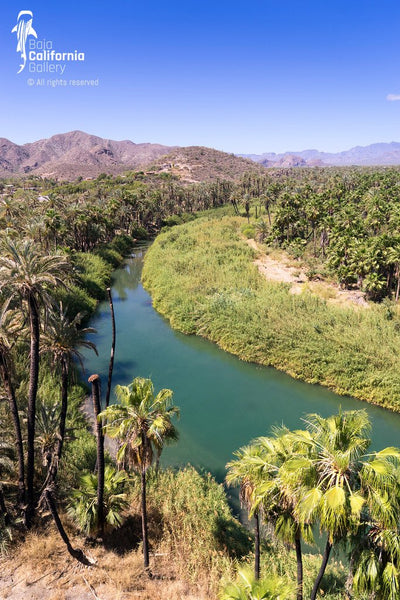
{"x": 282, "y": 271}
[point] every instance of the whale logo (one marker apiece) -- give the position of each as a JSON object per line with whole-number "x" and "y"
{"x": 23, "y": 29}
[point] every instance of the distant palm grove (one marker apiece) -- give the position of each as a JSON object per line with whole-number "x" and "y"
{"x": 98, "y": 478}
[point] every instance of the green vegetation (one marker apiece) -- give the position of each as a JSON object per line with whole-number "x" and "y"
{"x": 141, "y": 422}
{"x": 202, "y": 279}
{"x": 323, "y": 476}
{"x": 60, "y": 244}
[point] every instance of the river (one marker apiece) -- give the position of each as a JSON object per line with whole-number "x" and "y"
{"x": 224, "y": 402}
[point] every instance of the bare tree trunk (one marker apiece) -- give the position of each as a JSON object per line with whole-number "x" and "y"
{"x": 321, "y": 572}
{"x": 55, "y": 462}
{"x": 9, "y": 388}
{"x": 299, "y": 560}
{"x": 32, "y": 393}
{"x": 111, "y": 366}
{"x": 75, "y": 553}
{"x": 257, "y": 545}
{"x": 95, "y": 381}
{"x": 144, "y": 521}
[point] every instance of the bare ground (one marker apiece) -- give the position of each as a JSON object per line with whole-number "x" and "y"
{"x": 41, "y": 569}
{"x": 280, "y": 268}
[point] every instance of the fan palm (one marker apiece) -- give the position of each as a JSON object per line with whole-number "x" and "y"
{"x": 142, "y": 424}
{"x": 241, "y": 472}
{"x": 337, "y": 498}
{"x": 248, "y": 587}
{"x": 83, "y": 505}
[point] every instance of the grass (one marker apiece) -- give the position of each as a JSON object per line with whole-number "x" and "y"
{"x": 202, "y": 278}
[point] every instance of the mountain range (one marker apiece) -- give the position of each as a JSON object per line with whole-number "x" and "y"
{"x": 73, "y": 154}
{"x": 373, "y": 155}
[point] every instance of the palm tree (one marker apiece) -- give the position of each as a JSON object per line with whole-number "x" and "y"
{"x": 284, "y": 468}
{"x": 27, "y": 275}
{"x": 335, "y": 500}
{"x": 141, "y": 422}
{"x": 83, "y": 506}
{"x": 249, "y": 587}
{"x": 7, "y": 332}
{"x": 61, "y": 339}
{"x": 272, "y": 470}
{"x": 241, "y": 472}
{"x": 375, "y": 557}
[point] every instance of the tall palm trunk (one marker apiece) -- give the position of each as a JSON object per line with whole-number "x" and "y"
{"x": 321, "y": 572}
{"x": 299, "y": 560}
{"x": 111, "y": 365}
{"x": 95, "y": 381}
{"x": 257, "y": 545}
{"x": 75, "y": 553}
{"x": 33, "y": 385}
{"x": 144, "y": 520}
{"x": 55, "y": 462}
{"x": 9, "y": 388}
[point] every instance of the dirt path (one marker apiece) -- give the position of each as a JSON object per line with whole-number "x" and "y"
{"x": 281, "y": 270}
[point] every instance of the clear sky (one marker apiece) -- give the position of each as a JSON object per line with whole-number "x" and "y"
{"x": 240, "y": 76}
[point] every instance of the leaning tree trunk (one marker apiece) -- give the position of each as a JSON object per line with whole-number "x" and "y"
{"x": 111, "y": 365}
{"x": 55, "y": 462}
{"x": 144, "y": 520}
{"x": 257, "y": 545}
{"x": 299, "y": 560}
{"x": 3, "y": 508}
{"x": 95, "y": 381}
{"x": 321, "y": 572}
{"x": 75, "y": 553}
{"x": 32, "y": 393}
{"x": 9, "y": 388}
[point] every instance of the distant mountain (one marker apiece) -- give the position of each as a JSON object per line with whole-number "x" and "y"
{"x": 374, "y": 154}
{"x": 73, "y": 154}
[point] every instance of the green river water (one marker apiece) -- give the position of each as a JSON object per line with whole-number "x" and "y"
{"x": 224, "y": 402}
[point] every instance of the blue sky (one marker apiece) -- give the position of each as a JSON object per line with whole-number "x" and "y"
{"x": 239, "y": 76}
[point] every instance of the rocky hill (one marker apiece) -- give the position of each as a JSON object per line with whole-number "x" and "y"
{"x": 68, "y": 155}
{"x": 73, "y": 154}
{"x": 198, "y": 163}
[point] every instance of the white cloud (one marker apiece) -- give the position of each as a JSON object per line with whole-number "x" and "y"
{"x": 393, "y": 97}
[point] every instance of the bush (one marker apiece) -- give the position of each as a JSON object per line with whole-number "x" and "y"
{"x": 110, "y": 255}
{"x": 122, "y": 243}
{"x": 75, "y": 299}
{"x": 93, "y": 273}
{"x": 248, "y": 231}
{"x": 197, "y": 522}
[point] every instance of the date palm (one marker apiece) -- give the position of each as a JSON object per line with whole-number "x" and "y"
{"x": 8, "y": 326}
{"x": 28, "y": 276}
{"x": 142, "y": 424}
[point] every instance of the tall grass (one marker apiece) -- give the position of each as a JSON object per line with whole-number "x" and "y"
{"x": 202, "y": 278}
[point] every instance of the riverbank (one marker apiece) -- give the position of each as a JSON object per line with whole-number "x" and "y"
{"x": 202, "y": 278}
